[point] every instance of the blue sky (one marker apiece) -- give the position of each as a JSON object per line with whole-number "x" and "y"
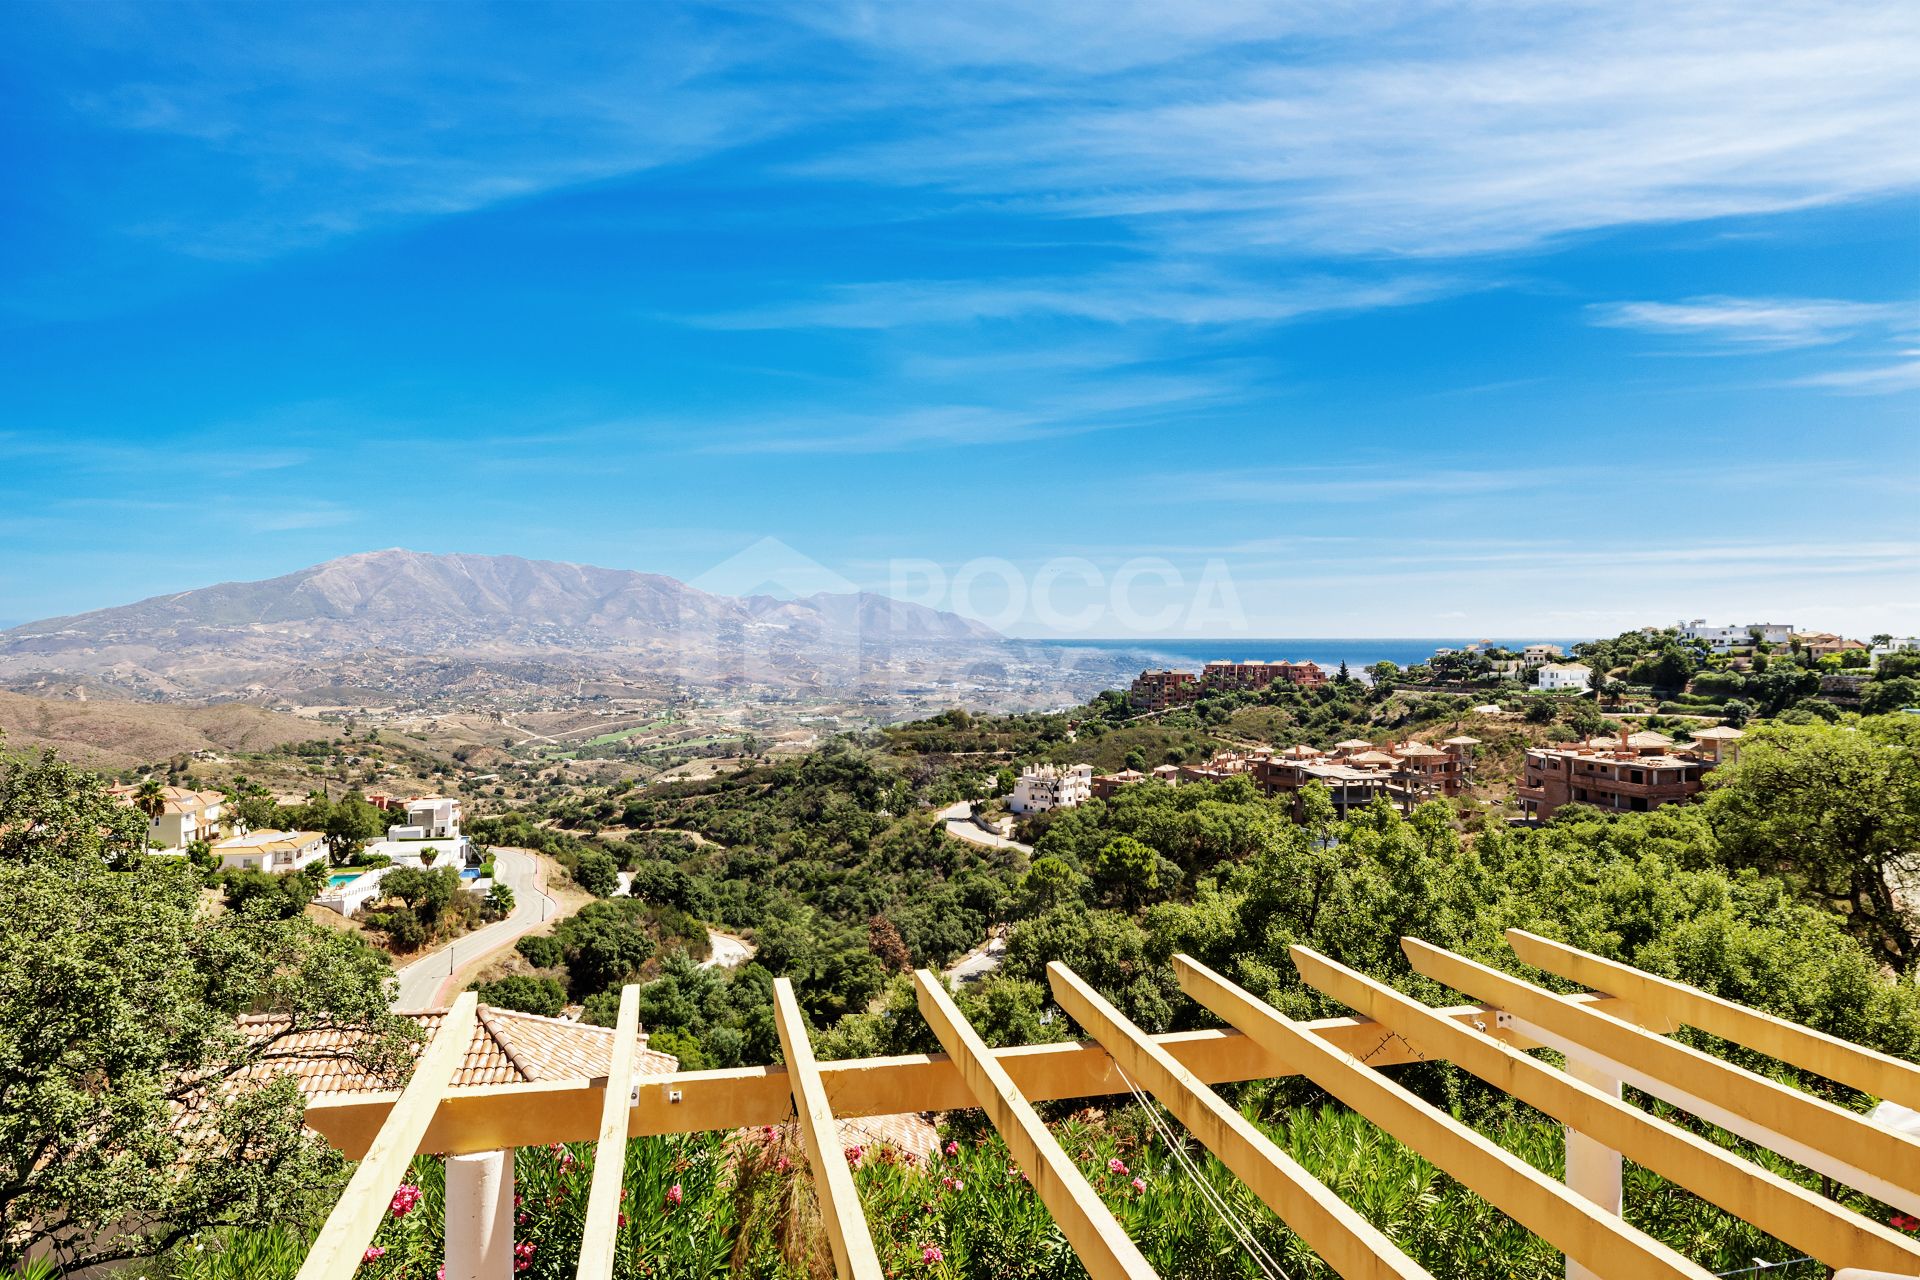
{"x": 1381, "y": 320}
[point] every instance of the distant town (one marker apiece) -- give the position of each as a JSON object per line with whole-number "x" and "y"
{"x": 1628, "y": 771}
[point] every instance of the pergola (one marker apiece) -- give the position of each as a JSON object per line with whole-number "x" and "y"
{"x": 1617, "y": 1033}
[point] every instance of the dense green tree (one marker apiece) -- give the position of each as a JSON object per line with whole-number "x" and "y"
{"x": 1885, "y": 695}
{"x": 1128, "y": 869}
{"x": 604, "y": 945}
{"x": 596, "y": 873}
{"x": 276, "y": 894}
{"x": 118, "y": 1004}
{"x": 525, "y": 992}
{"x": 1834, "y": 811}
{"x": 426, "y": 891}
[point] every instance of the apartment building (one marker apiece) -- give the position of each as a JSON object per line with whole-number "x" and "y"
{"x": 1158, "y": 690}
{"x": 184, "y": 816}
{"x": 1643, "y": 772}
{"x": 1253, "y": 676}
{"x": 1105, "y": 785}
{"x": 1043, "y": 787}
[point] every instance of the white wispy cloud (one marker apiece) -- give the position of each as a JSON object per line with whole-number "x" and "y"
{"x": 1873, "y": 380}
{"x": 1754, "y": 322}
{"x": 1461, "y": 129}
{"x": 1156, "y": 293}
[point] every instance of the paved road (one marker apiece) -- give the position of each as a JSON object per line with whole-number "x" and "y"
{"x": 962, "y": 827}
{"x": 980, "y": 961}
{"x": 727, "y": 951}
{"x": 421, "y": 980}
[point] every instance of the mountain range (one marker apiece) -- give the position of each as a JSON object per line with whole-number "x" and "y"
{"x": 405, "y": 625}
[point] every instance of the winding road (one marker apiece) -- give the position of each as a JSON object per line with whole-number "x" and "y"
{"x": 422, "y": 980}
{"x": 961, "y": 826}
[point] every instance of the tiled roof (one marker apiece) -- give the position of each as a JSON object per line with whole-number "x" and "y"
{"x": 508, "y": 1047}
{"x": 270, "y": 842}
{"x": 173, "y": 799}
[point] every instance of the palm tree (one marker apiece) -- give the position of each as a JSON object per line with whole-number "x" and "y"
{"x": 150, "y": 798}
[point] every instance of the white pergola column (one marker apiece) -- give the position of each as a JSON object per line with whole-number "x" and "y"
{"x": 480, "y": 1216}
{"x": 1593, "y": 1169}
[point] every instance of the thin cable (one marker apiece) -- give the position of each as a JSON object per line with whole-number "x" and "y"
{"x": 1242, "y": 1231}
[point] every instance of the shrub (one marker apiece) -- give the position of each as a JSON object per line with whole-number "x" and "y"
{"x": 527, "y": 993}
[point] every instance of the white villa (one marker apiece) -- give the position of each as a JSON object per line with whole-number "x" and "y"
{"x": 185, "y": 816}
{"x": 1536, "y": 654}
{"x": 1723, "y": 640}
{"x": 1565, "y": 676}
{"x": 432, "y": 825}
{"x": 271, "y": 851}
{"x": 1046, "y": 786}
{"x": 1899, "y": 644}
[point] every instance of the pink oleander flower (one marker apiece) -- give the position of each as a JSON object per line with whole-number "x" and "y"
{"x": 952, "y": 1148}
{"x": 782, "y": 1164}
{"x": 373, "y": 1254}
{"x": 441, "y": 1272}
{"x": 952, "y": 1183}
{"x": 623, "y": 1220}
{"x": 854, "y": 1154}
{"x": 404, "y": 1200}
{"x": 1139, "y": 1186}
{"x": 1116, "y": 1165}
{"x": 673, "y": 1195}
{"x": 523, "y": 1256}
{"x": 930, "y": 1254}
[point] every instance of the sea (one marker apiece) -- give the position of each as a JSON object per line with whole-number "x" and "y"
{"x": 1188, "y": 654}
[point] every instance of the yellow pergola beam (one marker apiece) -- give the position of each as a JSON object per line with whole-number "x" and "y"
{"x": 610, "y": 1151}
{"x": 350, "y": 1228}
{"x": 1798, "y": 1126}
{"x": 498, "y": 1117}
{"x": 853, "y": 1254}
{"x": 1097, "y": 1238}
{"x": 1349, "y": 1243}
{"x": 1596, "y": 1239}
{"x": 1785, "y": 1210}
{"x": 1867, "y": 1070}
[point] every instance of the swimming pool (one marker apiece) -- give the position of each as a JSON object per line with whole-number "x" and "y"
{"x": 338, "y": 878}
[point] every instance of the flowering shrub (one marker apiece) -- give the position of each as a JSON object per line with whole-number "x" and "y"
{"x": 711, "y": 1205}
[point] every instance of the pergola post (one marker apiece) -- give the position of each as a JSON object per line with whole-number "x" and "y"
{"x": 1593, "y": 1168}
{"x": 480, "y": 1216}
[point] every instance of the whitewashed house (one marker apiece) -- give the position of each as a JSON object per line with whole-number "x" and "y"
{"x": 1562, "y": 677}
{"x": 1724, "y": 640}
{"x": 1898, "y": 644}
{"x": 1046, "y": 786}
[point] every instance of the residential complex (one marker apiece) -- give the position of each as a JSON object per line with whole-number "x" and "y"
{"x": 1643, "y": 772}
{"x": 184, "y": 816}
{"x": 1046, "y": 786}
{"x": 271, "y": 851}
{"x": 1354, "y": 772}
{"x": 1158, "y": 690}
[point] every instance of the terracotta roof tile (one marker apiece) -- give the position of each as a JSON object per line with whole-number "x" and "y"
{"x": 508, "y": 1047}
